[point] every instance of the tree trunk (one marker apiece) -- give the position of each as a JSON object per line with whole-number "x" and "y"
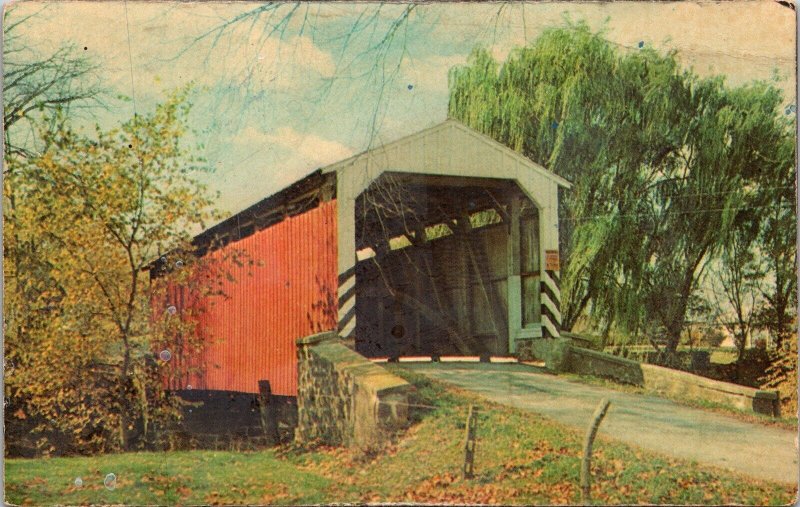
{"x": 125, "y": 382}
{"x": 572, "y": 312}
{"x": 675, "y": 324}
{"x": 677, "y": 313}
{"x": 781, "y": 324}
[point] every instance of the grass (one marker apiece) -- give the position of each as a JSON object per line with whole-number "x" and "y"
{"x": 189, "y": 477}
{"x": 787, "y": 423}
{"x": 521, "y": 458}
{"x": 723, "y": 356}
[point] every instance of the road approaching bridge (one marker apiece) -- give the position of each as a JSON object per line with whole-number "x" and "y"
{"x": 649, "y": 422}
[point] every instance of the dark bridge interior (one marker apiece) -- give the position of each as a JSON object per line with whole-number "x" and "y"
{"x": 435, "y": 255}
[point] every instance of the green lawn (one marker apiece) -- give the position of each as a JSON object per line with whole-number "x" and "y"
{"x": 723, "y": 356}
{"x": 521, "y": 458}
{"x": 163, "y": 478}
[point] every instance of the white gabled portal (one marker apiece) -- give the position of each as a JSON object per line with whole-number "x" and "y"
{"x": 451, "y": 149}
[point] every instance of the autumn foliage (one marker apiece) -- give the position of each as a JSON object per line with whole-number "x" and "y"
{"x": 85, "y": 218}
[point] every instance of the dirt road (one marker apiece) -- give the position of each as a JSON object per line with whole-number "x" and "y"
{"x": 646, "y": 421}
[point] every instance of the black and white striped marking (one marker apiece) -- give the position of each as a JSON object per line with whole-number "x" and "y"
{"x": 347, "y": 303}
{"x": 551, "y": 304}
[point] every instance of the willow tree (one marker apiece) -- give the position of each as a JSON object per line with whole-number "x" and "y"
{"x": 660, "y": 160}
{"x": 777, "y": 238}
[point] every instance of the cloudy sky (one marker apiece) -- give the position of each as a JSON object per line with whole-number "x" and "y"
{"x": 282, "y": 89}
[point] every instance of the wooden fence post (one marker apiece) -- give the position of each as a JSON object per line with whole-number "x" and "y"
{"x": 586, "y": 474}
{"x": 267, "y": 410}
{"x": 469, "y": 442}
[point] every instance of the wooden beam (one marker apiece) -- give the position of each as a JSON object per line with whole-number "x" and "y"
{"x": 514, "y": 282}
{"x": 451, "y": 181}
{"x": 480, "y": 266}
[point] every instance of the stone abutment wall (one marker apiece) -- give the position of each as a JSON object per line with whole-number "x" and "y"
{"x": 561, "y": 355}
{"x": 344, "y": 399}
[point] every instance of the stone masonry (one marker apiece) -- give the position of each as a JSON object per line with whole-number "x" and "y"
{"x": 344, "y": 399}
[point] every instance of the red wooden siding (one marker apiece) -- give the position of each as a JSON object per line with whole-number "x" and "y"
{"x": 286, "y": 292}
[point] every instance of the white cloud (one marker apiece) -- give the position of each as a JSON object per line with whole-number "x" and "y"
{"x": 429, "y": 74}
{"x": 743, "y": 39}
{"x": 163, "y": 46}
{"x": 254, "y": 75}
{"x": 261, "y": 163}
{"x": 268, "y": 62}
{"x": 305, "y": 149}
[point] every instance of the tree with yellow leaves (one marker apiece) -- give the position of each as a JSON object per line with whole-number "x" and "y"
{"x": 91, "y": 214}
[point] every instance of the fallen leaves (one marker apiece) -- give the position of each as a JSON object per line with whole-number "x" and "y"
{"x": 451, "y": 488}
{"x": 35, "y": 481}
{"x": 562, "y": 493}
{"x": 275, "y": 493}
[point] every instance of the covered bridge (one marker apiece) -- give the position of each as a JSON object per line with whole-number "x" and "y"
{"x": 444, "y": 242}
